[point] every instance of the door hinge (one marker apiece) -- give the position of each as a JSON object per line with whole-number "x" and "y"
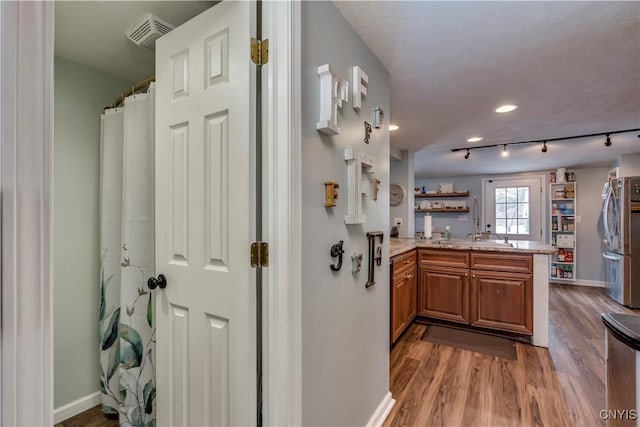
{"x": 259, "y": 254}
{"x": 259, "y": 51}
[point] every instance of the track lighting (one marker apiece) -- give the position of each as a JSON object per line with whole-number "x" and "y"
{"x": 505, "y": 153}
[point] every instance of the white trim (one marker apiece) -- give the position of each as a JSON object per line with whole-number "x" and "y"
{"x": 26, "y": 112}
{"x": 282, "y": 351}
{"x": 382, "y": 411}
{"x": 540, "y": 300}
{"x": 583, "y": 282}
{"x": 76, "y": 407}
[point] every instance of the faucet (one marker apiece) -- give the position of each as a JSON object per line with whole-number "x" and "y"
{"x": 505, "y": 238}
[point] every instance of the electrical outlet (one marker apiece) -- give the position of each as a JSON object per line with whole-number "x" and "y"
{"x": 397, "y": 222}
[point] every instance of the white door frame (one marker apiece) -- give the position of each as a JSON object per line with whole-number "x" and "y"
{"x": 282, "y": 221}
{"x": 543, "y": 197}
{"x": 26, "y": 126}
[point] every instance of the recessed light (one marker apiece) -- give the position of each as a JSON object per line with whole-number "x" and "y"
{"x": 393, "y": 127}
{"x": 475, "y": 139}
{"x": 506, "y": 108}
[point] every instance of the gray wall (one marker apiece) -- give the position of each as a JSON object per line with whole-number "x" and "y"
{"x": 589, "y": 206}
{"x": 402, "y": 173}
{"x": 80, "y": 95}
{"x": 345, "y": 327}
{"x": 629, "y": 165}
{"x": 459, "y": 228}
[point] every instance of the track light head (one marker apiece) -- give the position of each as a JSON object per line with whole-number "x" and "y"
{"x": 544, "y": 147}
{"x": 608, "y": 141}
{"x": 505, "y": 153}
{"x": 466, "y": 156}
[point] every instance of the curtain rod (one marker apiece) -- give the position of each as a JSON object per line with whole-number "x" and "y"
{"x": 138, "y": 86}
{"x": 537, "y": 141}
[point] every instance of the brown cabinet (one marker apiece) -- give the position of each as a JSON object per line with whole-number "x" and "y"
{"x": 488, "y": 290}
{"x": 403, "y": 293}
{"x": 502, "y": 301}
{"x": 444, "y": 293}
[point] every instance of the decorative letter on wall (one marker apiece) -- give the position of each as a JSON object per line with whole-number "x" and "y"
{"x": 333, "y": 92}
{"x": 359, "y": 167}
{"x": 359, "y": 82}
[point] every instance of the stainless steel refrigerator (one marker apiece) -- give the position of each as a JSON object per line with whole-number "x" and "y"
{"x": 621, "y": 218}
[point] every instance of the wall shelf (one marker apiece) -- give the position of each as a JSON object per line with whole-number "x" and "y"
{"x": 563, "y": 232}
{"x": 443, "y": 210}
{"x": 437, "y": 195}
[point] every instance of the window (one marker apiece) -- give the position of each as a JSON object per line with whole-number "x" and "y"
{"x": 512, "y": 210}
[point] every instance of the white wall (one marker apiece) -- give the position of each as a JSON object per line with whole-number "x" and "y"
{"x": 629, "y": 165}
{"x": 402, "y": 173}
{"x": 80, "y": 95}
{"x": 345, "y": 327}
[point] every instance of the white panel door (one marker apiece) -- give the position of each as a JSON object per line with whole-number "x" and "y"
{"x": 513, "y": 208}
{"x": 206, "y": 359}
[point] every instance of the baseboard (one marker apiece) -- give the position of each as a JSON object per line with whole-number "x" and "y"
{"x": 76, "y": 407}
{"x": 594, "y": 283}
{"x": 382, "y": 411}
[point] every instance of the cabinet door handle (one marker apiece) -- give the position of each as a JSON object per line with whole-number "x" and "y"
{"x": 473, "y": 275}
{"x": 408, "y": 276}
{"x": 407, "y": 262}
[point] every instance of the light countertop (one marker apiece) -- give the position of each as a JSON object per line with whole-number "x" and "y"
{"x": 398, "y": 246}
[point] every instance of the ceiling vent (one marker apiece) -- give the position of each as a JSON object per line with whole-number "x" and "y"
{"x": 147, "y": 29}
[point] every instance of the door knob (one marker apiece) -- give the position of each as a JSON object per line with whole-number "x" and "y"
{"x": 160, "y": 282}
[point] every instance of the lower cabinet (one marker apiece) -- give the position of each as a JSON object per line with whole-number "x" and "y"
{"x": 502, "y": 301}
{"x": 443, "y": 293}
{"x": 494, "y": 291}
{"x": 403, "y": 308}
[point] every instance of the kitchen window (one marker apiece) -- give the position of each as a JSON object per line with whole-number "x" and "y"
{"x": 512, "y": 210}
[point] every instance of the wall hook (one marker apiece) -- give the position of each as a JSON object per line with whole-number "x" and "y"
{"x": 337, "y": 251}
{"x": 356, "y": 262}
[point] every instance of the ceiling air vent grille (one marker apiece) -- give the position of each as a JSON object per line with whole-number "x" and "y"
{"x": 147, "y": 29}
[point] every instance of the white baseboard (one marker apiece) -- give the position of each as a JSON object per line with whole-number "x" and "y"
{"x": 76, "y": 407}
{"x": 382, "y": 411}
{"x": 594, "y": 283}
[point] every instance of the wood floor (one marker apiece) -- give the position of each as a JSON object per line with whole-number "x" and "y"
{"x": 435, "y": 385}
{"x": 90, "y": 418}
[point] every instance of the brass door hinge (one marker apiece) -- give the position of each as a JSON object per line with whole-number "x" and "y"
{"x": 259, "y": 51}
{"x": 259, "y": 254}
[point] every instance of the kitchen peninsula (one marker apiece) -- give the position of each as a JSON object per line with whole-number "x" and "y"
{"x": 489, "y": 285}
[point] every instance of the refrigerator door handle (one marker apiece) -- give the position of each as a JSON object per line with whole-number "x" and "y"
{"x": 612, "y": 257}
{"x": 605, "y": 218}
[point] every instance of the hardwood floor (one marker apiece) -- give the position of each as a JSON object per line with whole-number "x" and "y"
{"x": 436, "y": 385}
{"x": 90, "y": 418}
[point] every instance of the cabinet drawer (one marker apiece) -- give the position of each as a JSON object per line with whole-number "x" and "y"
{"x": 502, "y": 262}
{"x": 455, "y": 259}
{"x": 404, "y": 262}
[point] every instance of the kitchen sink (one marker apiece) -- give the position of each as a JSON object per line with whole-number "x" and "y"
{"x": 482, "y": 243}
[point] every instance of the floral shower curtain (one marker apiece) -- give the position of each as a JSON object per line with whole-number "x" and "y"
{"x": 127, "y": 329}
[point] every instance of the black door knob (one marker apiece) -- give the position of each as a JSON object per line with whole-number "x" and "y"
{"x": 160, "y": 282}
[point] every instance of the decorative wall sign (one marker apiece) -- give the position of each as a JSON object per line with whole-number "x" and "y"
{"x": 359, "y": 82}
{"x": 378, "y": 117}
{"x": 367, "y": 132}
{"x": 360, "y": 166}
{"x": 337, "y": 251}
{"x": 330, "y": 194}
{"x": 333, "y": 92}
{"x": 376, "y": 188}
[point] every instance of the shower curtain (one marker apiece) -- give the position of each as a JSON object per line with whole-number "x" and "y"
{"x": 127, "y": 329}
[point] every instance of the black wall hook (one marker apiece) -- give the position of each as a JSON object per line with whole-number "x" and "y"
{"x": 337, "y": 251}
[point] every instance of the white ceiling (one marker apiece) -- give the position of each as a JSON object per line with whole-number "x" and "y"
{"x": 572, "y": 68}
{"x": 93, "y": 33}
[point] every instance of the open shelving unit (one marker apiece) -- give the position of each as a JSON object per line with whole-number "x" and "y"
{"x": 440, "y": 196}
{"x": 437, "y": 195}
{"x": 562, "y": 226}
